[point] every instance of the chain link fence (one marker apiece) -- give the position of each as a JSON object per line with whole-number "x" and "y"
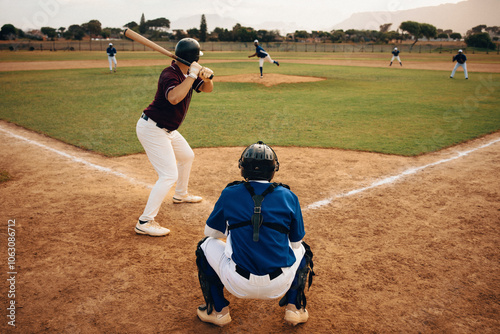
{"x": 126, "y": 45}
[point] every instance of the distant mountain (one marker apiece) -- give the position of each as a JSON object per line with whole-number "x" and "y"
{"x": 458, "y": 17}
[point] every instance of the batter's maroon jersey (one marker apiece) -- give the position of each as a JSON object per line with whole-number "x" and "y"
{"x": 161, "y": 110}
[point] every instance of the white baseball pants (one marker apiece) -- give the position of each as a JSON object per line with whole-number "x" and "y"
{"x": 112, "y": 60}
{"x": 267, "y": 58}
{"x": 171, "y": 157}
{"x": 395, "y": 57}
{"x": 256, "y": 287}
{"x": 456, "y": 67}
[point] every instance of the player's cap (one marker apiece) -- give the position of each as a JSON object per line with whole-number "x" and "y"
{"x": 395, "y": 48}
{"x": 460, "y": 50}
{"x": 256, "y": 41}
{"x": 110, "y": 43}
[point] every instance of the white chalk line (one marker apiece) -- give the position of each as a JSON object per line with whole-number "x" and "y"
{"x": 79, "y": 160}
{"x": 394, "y": 178}
{"x": 312, "y": 206}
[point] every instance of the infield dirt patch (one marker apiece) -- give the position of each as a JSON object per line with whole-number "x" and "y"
{"x": 416, "y": 255}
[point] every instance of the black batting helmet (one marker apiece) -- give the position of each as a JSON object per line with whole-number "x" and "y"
{"x": 188, "y": 49}
{"x": 258, "y": 162}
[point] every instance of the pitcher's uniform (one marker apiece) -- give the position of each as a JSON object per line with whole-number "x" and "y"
{"x": 111, "y": 51}
{"x": 460, "y": 58}
{"x": 395, "y": 55}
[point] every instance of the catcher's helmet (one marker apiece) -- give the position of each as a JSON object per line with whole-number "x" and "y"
{"x": 258, "y": 162}
{"x": 188, "y": 49}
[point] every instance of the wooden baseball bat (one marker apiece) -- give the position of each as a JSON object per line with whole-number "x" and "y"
{"x": 150, "y": 44}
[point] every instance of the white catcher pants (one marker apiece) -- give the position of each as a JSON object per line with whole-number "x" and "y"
{"x": 456, "y": 67}
{"x": 257, "y": 287}
{"x": 267, "y": 58}
{"x": 171, "y": 157}
{"x": 112, "y": 60}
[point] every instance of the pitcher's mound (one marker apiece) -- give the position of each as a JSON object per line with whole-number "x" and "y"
{"x": 268, "y": 80}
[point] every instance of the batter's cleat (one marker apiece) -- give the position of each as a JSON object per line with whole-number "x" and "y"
{"x": 186, "y": 199}
{"x": 221, "y": 318}
{"x": 276, "y": 62}
{"x": 151, "y": 228}
{"x": 294, "y": 316}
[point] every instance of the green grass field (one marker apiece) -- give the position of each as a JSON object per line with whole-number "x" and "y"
{"x": 388, "y": 110}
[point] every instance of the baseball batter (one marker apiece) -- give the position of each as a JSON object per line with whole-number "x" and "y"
{"x": 460, "y": 58}
{"x": 167, "y": 150}
{"x": 263, "y": 55}
{"x": 111, "y": 51}
{"x": 395, "y": 55}
{"x": 264, "y": 256}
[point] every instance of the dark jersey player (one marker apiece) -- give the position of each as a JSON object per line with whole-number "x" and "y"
{"x": 263, "y": 55}
{"x": 167, "y": 150}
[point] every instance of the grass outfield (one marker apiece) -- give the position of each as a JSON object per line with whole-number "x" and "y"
{"x": 387, "y": 110}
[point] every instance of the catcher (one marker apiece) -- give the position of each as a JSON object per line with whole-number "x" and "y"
{"x": 264, "y": 256}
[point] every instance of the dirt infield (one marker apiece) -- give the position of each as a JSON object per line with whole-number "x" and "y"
{"x": 415, "y": 254}
{"x": 406, "y": 245}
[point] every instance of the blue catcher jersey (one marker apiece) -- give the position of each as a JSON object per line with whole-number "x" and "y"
{"x": 272, "y": 251}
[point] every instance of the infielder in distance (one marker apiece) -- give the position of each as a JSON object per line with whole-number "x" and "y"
{"x": 263, "y": 55}
{"x": 264, "y": 256}
{"x": 167, "y": 150}
{"x": 395, "y": 55}
{"x": 460, "y": 58}
{"x": 111, "y": 51}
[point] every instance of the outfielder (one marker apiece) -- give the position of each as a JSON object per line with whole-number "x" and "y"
{"x": 395, "y": 55}
{"x": 264, "y": 256}
{"x": 167, "y": 150}
{"x": 263, "y": 55}
{"x": 111, "y": 51}
{"x": 460, "y": 58}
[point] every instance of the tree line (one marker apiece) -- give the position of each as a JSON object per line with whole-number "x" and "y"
{"x": 159, "y": 29}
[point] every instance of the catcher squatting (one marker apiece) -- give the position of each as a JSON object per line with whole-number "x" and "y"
{"x": 264, "y": 256}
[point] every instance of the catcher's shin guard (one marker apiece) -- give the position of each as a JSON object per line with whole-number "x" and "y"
{"x": 304, "y": 275}
{"x": 209, "y": 282}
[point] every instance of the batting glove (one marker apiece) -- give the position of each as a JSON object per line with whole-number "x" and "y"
{"x": 195, "y": 69}
{"x": 206, "y": 73}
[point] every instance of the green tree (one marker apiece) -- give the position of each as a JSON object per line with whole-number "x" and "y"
{"x": 158, "y": 23}
{"x": 50, "y": 32}
{"x": 412, "y": 28}
{"x": 131, "y": 25}
{"x": 8, "y": 32}
{"x": 93, "y": 27}
{"x": 481, "y": 40}
{"x": 142, "y": 25}
{"x": 442, "y": 35}
{"x": 428, "y": 30}
{"x": 243, "y": 34}
{"x": 193, "y": 33}
{"x": 455, "y": 35}
{"x": 337, "y": 36}
{"x": 74, "y": 32}
{"x": 203, "y": 28}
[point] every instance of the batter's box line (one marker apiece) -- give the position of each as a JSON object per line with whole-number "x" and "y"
{"x": 394, "y": 178}
{"x": 312, "y": 206}
{"x": 79, "y": 160}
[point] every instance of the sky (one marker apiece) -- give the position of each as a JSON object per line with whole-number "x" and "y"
{"x": 308, "y": 15}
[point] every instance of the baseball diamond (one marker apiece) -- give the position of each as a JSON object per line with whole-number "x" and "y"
{"x": 402, "y": 243}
